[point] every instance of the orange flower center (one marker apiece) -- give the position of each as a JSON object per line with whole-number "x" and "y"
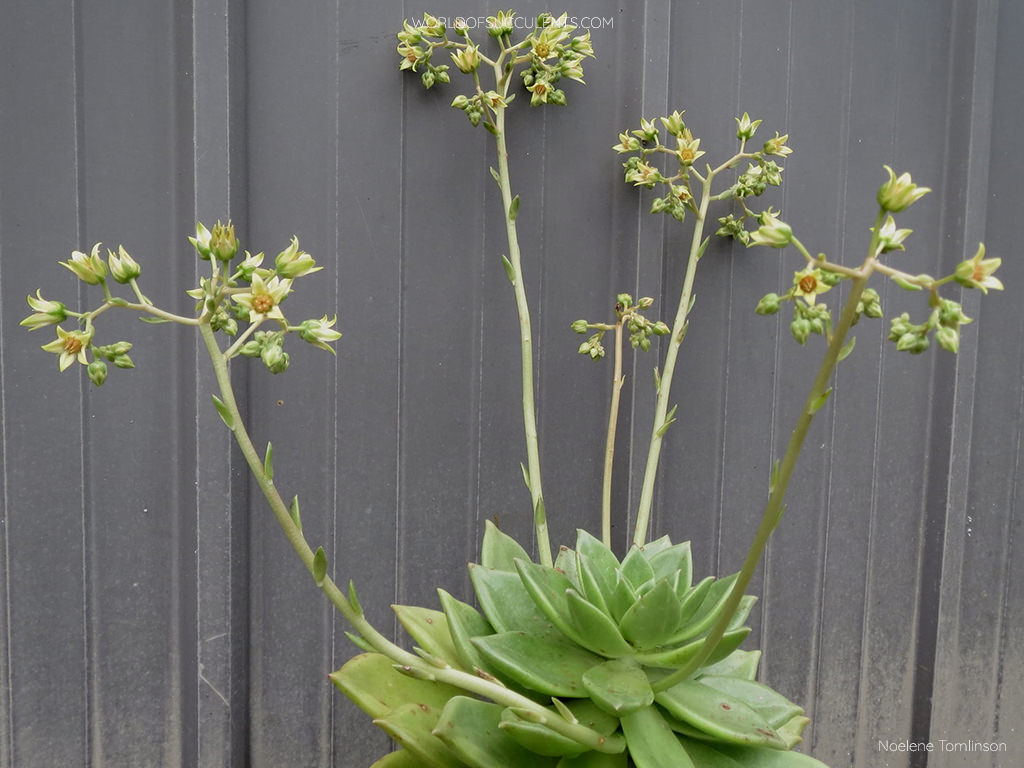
{"x": 262, "y": 303}
{"x": 72, "y": 345}
{"x": 411, "y": 56}
{"x": 979, "y": 273}
{"x": 808, "y": 283}
{"x": 540, "y": 88}
{"x": 542, "y": 50}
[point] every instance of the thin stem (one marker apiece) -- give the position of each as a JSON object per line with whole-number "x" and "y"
{"x": 408, "y": 661}
{"x": 661, "y": 405}
{"x": 609, "y": 447}
{"x": 773, "y": 509}
{"x": 526, "y": 340}
{"x": 233, "y": 349}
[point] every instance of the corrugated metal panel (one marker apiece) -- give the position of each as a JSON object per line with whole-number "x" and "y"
{"x": 148, "y": 623}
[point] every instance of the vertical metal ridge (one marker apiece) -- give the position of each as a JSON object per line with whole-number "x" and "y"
{"x": 6, "y": 659}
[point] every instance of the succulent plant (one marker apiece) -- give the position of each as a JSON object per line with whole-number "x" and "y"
{"x": 595, "y": 640}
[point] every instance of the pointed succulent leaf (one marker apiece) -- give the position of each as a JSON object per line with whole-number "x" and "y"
{"x": 791, "y": 730}
{"x": 411, "y": 725}
{"x": 694, "y": 597}
{"x": 623, "y": 597}
{"x": 651, "y": 742}
{"x": 566, "y": 563}
{"x": 268, "y": 463}
{"x": 499, "y": 549}
{"x": 595, "y": 760}
{"x": 506, "y": 603}
{"x": 510, "y": 272}
{"x": 747, "y": 603}
{"x": 371, "y": 682}
{"x": 602, "y": 558}
{"x": 587, "y": 713}
{"x": 636, "y": 569}
{"x": 718, "y": 714}
{"x": 513, "y": 208}
{"x": 547, "y": 587}
{"x": 618, "y": 686}
{"x": 728, "y": 756}
{"x": 653, "y": 618}
{"x": 775, "y": 708}
{"x": 225, "y": 413}
{"x": 471, "y": 729}
{"x": 651, "y": 548}
{"x": 592, "y": 583}
{"x": 703, "y": 754}
{"x": 549, "y": 665}
{"x": 399, "y": 759}
{"x": 293, "y": 512}
{"x": 706, "y": 615}
{"x": 597, "y": 632}
{"x": 674, "y": 558}
{"x": 429, "y": 628}
{"x": 464, "y": 623}
{"x": 538, "y": 738}
{"x": 738, "y": 664}
{"x": 359, "y": 642}
{"x": 319, "y": 566}
{"x": 680, "y": 656}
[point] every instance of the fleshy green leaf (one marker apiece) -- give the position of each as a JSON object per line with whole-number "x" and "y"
{"x": 268, "y": 463}
{"x": 353, "y": 599}
{"x": 537, "y": 738}
{"x": 511, "y": 272}
{"x": 597, "y": 632}
{"x": 595, "y": 760}
{"x": 429, "y": 628}
{"x": 623, "y": 597}
{"x": 775, "y": 708}
{"x": 513, "y": 208}
{"x": 592, "y": 583}
{"x": 319, "y": 566}
{"x": 549, "y": 665}
{"x": 547, "y": 587}
{"x": 412, "y": 725}
{"x": 739, "y": 664}
{"x": 372, "y": 683}
{"x": 566, "y": 563}
{"x": 651, "y": 742}
{"x": 651, "y": 548}
{"x": 636, "y": 569}
{"x": 293, "y": 512}
{"x": 225, "y": 414}
{"x": 726, "y": 756}
{"x": 465, "y": 623}
{"x": 653, "y": 618}
{"x": 499, "y": 550}
{"x": 506, "y": 603}
{"x": 681, "y": 655}
{"x": 718, "y": 714}
{"x": 675, "y": 558}
{"x": 814, "y": 407}
{"x": 618, "y": 686}
{"x": 471, "y": 729}
{"x": 494, "y": 175}
{"x": 399, "y": 759}
{"x": 705, "y": 616}
{"x": 847, "y": 349}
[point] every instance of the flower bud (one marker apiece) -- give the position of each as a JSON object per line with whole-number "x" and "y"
{"x": 251, "y": 349}
{"x": 123, "y": 268}
{"x": 745, "y": 127}
{"x": 777, "y": 146}
{"x": 201, "y": 241}
{"x": 275, "y": 358}
{"x": 97, "y": 371}
{"x": 123, "y": 361}
{"x": 320, "y": 332}
{"x": 899, "y": 193}
{"x": 948, "y": 338}
{"x": 46, "y": 312}
{"x": 890, "y": 238}
{"x": 291, "y": 262}
{"x": 660, "y": 329}
{"x": 978, "y": 272}
{"x": 223, "y": 244}
{"x": 579, "y": 326}
{"x": 89, "y": 269}
{"x": 768, "y": 305}
{"x": 800, "y": 328}
{"x": 467, "y": 59}
{"x": 772, "y": 232}
{"x": 674, "y": 123}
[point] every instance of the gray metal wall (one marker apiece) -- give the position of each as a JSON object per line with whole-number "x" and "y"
{"x": 153, "y": 615}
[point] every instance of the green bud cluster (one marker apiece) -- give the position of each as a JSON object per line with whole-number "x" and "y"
{"x": 548, "y": 54}
{"x": 943, "y": 323}
{"x": 628, "y": 314}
